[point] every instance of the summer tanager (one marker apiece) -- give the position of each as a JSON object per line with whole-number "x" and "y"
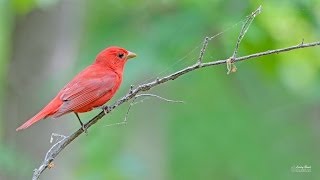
{"x": 92, "y": 87}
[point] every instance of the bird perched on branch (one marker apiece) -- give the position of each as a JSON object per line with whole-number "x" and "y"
{"x": 91, "y": 88}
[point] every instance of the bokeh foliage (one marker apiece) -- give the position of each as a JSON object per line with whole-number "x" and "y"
{"x": 254, "y": 124}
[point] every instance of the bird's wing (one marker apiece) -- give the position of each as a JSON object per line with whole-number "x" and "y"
{"x": 85, "y": 89}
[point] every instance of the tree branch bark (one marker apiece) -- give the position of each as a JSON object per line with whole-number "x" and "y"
{"x": 145, "y": 87}
{"x": 55, "y": 150}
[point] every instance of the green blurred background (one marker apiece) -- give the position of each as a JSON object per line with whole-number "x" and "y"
{"x": 254, "y": 124}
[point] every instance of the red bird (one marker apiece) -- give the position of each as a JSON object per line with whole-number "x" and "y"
{"x": 92, "y": 87}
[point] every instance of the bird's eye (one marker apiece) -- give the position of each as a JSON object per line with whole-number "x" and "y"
{"x": 120, "y": 55}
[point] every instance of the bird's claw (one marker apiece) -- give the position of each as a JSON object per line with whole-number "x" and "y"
{"x": 105, "y": 109}
{"x": 84, "y": 129}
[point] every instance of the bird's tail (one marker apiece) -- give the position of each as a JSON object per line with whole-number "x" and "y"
{"x": 50, "y": 109}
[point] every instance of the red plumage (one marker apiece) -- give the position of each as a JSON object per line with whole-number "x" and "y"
{"x": 92, "y": 87}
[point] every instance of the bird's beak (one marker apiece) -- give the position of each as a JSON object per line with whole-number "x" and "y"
{"x": 131, "y": 55}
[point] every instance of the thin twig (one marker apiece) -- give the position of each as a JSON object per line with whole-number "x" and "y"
{"x": 203, "y": 49}
{"x": 245, "y": 28}
{"x": 231, "y": 67}
{"x": 57, "y": 142}
{"x": 125, "y": 120}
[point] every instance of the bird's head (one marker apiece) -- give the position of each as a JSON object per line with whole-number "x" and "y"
{"x": 114, "y": 57}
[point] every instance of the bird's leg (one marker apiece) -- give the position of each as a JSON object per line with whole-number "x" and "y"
{"x": 82, "y": 125}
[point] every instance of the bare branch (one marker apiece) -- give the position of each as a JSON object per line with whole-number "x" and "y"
{"x": 245, "y": 28}
{"x": 231, "y": 67}
{"x": 134, "y": 92}
{"x": 203, "y": 49}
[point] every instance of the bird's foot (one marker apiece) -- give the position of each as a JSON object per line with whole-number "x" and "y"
{"x": 84, "y": 129}
{"x": 105, "y": 109}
